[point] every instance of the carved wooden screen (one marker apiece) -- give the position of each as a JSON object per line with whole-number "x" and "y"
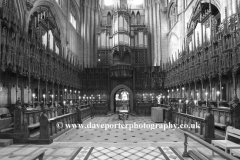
{"x": 140, "y": 57}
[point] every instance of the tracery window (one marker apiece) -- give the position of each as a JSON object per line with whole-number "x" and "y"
{"x": 109, "y": 19}
{"x": 73, "y": 18}
{"x": 138, "y": 18}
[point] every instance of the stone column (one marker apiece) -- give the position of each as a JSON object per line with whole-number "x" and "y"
{"x": 152, "y": 31}
{"x": 159, "y": 52}
{"x": 91, "y": 29}
{"x": 96, "y": 24}
{"x": 88, "y": 7}
{"x": 85, "y": 32}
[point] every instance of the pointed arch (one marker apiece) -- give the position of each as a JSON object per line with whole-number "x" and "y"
{"x": 133, "y": 18}
{"x": 109, "y": 18}
{"x": 173, "y": 48}
{"x": 138, "y": 17}
{"x": 121, "y": 86}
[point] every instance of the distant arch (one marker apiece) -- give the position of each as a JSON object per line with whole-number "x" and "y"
{"x": 121, "y": 86}
{"x": 173, "y": 48}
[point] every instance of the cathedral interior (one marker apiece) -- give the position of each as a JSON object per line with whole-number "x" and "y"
{"x": 119, "y": 79}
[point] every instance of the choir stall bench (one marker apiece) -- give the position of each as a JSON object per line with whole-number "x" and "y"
{"x": 227, "y": 144}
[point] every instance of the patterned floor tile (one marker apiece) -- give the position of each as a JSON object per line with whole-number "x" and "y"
{"x": 169, "y": 153}
{"x": 125, "y": 153}
{"x": 83, "y": 153}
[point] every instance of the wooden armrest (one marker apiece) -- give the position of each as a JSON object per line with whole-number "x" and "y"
{"x": 6, "y": 129}
{"x": 35, "y": 125}
{"x": 220, "y": 125}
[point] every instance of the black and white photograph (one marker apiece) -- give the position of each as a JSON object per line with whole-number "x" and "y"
{"x": 119, "y": 79}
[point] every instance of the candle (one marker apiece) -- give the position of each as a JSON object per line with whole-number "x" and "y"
{"x": 33, "y": 98}
{"x": 218, "y": 100}
{"x": 195, "y": 101}
{"x": 52, "y": 98}
{"x": 44, "y": 99}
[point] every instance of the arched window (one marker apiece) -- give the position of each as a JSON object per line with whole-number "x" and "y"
{"x": 50, "y": 35}
{"x": 133, "y": 18}
{"x": 172, "y": 15}
{"x": 44, "y": 39}
{"x": 109, "y": 18}
{"x": 138, "y": 18}
{"x": 73, "y": 20}
{"x": 48, "y": 39}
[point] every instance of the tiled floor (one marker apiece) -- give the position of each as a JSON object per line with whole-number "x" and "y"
{"x": 91, "y": 153}
{"x": 128, "y": 153}
{"x": 111, "y": 144}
